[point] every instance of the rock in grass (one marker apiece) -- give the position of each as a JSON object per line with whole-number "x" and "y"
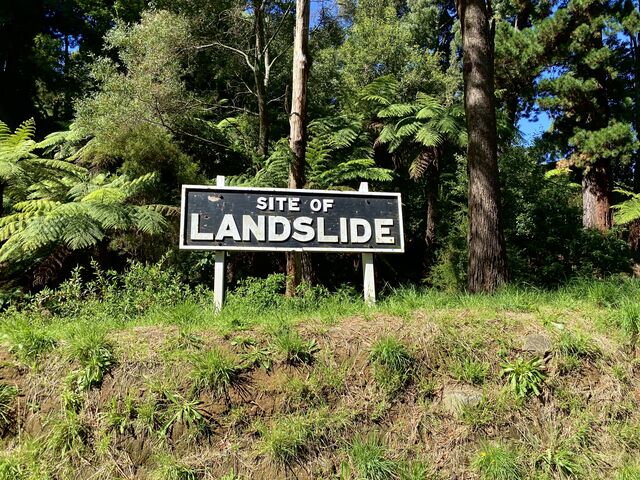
{"x": 455, "y": 400}
{"x": 537, "y": 343}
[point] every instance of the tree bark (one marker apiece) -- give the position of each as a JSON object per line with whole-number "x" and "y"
{"x": 298, "y": 125}
{"x": 596, "y": 185}
{"x": 260, "y": 78}
{"x": 487, "y": 267}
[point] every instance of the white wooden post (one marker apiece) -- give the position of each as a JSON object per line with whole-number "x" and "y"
{"x": 368, "y": 270}
{"x": 219, "y": 270}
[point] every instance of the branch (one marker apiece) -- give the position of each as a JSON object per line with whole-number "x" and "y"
{"x": 240, "y": 52}
{"x": 283, "y": 18}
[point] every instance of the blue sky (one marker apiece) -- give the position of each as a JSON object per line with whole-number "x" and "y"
{"x": 532, "y": 128}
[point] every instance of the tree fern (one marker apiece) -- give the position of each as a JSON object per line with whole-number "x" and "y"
{"x": 21, "y": 167}
{"x": 629, "y": 210}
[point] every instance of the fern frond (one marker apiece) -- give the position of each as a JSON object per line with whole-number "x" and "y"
{"x": 627, "y": 211}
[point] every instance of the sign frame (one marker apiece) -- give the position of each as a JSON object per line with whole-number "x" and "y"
{"x": 288, "y": 191}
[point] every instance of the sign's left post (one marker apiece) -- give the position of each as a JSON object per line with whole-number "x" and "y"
{"x": 219, "y": 272}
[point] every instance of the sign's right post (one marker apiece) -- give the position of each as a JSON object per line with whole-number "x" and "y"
{"x": 368, "y": 270}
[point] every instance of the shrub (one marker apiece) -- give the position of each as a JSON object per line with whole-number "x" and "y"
{"x": 524, "y": 376}
{"x": 369, "y": 458}
{"x": 259, "y": 293}
{"x": 217, "y": 372}
{"x": 497, "y": 462}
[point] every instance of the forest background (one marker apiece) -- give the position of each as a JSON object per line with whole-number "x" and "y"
{"x": 109, "y": 106}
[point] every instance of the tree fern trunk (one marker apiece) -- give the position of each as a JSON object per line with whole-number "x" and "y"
{"x": 298, "y": 125}
{"x": 487, "y": 267}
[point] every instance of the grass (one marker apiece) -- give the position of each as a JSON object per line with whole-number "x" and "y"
{"x": 216, "y": 372}
{"x": 8, "y": 394}
{"x": 370, "y": 459}
{"x": 95, "y": 355}
{"x": 393, "y": 364}
{"x": 291, "y": 438}
{"x": 321, "y": 417}
{"x": 497, "y": 462}
{"x": 28, "y": 343}
{"x": 293, "y": 348}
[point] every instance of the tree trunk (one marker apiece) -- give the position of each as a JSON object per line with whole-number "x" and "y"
{"x": 433, "y": 187}
{"x": 298, "y": 124}
{"x": 260, "y": 78}
{"x": 596, "y": 185}
{"x": 635, "y": 55}
{"x": 487, "y": 267}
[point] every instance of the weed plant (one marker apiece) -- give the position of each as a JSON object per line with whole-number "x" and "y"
{"x": 525, "y": 377}
{"x": 28, "y": 343}
{"x": 68, "y": 436}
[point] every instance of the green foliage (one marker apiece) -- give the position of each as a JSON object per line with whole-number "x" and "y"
{"x": 170, "y": 469}
{"x": 469, "y": 370}
{"x": 393, "y": 364}
{"x": 8, "y": 394}
{"x": 179, "y": 410}
{"x": 78, "y": 214}
{"x": 497, "y": 462}
{"x": 10, "y": 469}
{"x": 294, "y": 349}
{"x": 560, "y": 461}
{"x": 627, "y": 472}
{"x": 96, "y": 357}
{"x": 369, "y": 458}
{"x": 20, "y": 167}
{"x": 524, "y": 377}
{"x": 216, "y": 372}
{"x": 28, "y": 342}
{"x": 69, "y": 435}
{"x": 290, "y": 438}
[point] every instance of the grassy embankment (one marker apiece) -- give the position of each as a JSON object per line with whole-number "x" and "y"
{"x": 137, "y": 378}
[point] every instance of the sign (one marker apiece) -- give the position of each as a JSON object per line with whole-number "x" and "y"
{"x": 277, "y": 219}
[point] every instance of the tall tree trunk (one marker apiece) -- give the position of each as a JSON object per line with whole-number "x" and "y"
{"x": 635, "y": 55}
{"x": 596, "y": 185}
{"x": 260, "y": 78}
{"x": 298, "y": 124}
{"x": 487, "y": 267}
{"x": 597, "y": 181}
